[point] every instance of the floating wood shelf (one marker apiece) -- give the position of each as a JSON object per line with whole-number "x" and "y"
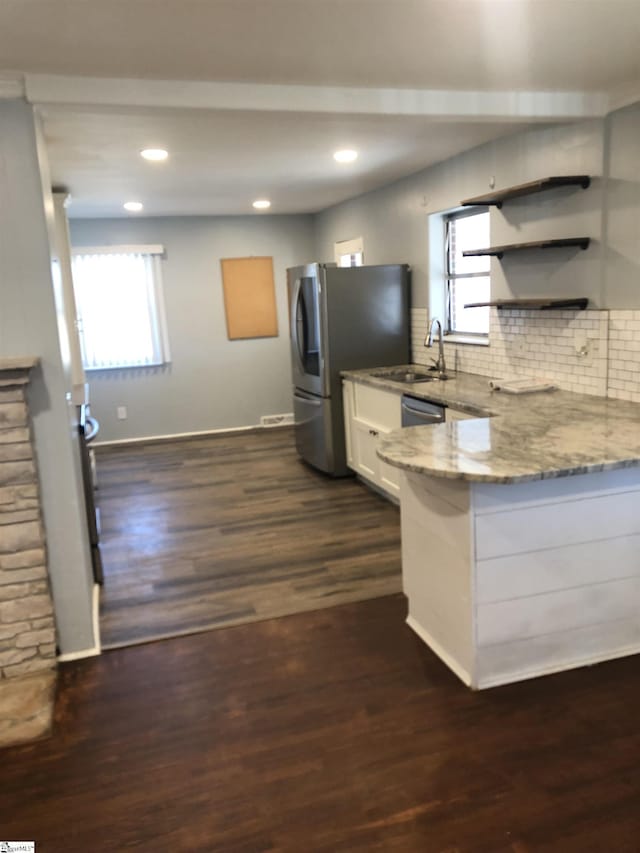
{"x": 499, "y": 196}
{"x": 499, "y": 251}
{"x": 579, "y": 302}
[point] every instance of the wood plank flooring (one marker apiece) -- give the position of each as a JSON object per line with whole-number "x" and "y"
{"x": 227, "y": 529}
{"x": 323, "y": 732}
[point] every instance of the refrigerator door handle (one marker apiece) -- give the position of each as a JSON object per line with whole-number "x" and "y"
{"x": 293, "y": 317}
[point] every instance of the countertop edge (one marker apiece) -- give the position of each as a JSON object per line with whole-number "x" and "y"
{"x": 508, "y": 479}
{"x": 567, "y": 421}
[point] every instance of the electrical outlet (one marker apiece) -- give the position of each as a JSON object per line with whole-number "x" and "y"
{"x": 121, "y": 412}
{"x": 580, "y": 342}
{"x": 585, "y": 347}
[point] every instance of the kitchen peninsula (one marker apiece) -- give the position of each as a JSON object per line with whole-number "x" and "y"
{"x": 520, "y": 529}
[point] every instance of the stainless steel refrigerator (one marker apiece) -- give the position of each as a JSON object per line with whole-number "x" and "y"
{"x": 341, "y": 318}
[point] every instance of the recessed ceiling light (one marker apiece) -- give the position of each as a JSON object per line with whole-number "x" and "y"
{"x": 156, "y": 154}
{"x": 133, "y": 206}
{"x": 261, "y": 203}
{"x": 346, "y": 155}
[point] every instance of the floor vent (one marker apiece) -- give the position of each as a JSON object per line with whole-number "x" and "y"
{"x": 276, "y": 420}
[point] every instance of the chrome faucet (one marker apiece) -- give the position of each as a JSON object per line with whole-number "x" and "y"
{"x": 428, "y": 342}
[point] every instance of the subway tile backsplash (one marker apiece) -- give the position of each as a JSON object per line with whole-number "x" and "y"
{"x": 590, "y": 352}
{"x": 624, "y": 355}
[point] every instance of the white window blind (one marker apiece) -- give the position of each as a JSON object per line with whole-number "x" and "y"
{"x": 120, "y": 309}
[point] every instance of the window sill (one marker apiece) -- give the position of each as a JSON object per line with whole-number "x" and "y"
{"x": 469, "y": 340}
{"x": 113, "y": 368}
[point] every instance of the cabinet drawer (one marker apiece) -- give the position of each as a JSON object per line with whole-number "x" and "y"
{"x": 376, "y": 407}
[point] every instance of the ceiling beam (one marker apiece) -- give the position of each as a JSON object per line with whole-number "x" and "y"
{"x": 443, "y": 104}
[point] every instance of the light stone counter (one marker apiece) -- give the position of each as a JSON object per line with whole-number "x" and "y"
{"x": 516, "y": 438}
{"x": 512, "y": 567}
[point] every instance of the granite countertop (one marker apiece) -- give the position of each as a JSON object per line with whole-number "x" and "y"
{"x": 515, "y": 438}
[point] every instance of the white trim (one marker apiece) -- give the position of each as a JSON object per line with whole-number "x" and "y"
{"x": 435, "y": 647}
{"x": 467, "y": 340}
{"x": 95, "y": 611}
{"x": 467, "y": 105}
{"x": 153, "y": 249}
{"x": 149, "y": 364}
{"x": 12, "y": 86}
{"x": 95, "y": 650}
{"x": 83, "y": 653}
{"x": 174, "y": 435}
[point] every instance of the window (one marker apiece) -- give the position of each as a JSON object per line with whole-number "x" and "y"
{"x": 467, "y": 279}
{"x": 349, "y": 253}
{"x": 119, "y": 306}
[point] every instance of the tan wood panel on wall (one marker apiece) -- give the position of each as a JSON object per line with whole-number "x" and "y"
{"x": 249, "y": 297}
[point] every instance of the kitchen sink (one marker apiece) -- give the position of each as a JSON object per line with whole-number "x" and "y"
{"x": 408, "y": 376}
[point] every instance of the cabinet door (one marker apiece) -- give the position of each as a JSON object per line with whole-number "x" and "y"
{"x": 364, "y": 450}
{"x": 370, "y": 413}
{"x": 390, "y": 478}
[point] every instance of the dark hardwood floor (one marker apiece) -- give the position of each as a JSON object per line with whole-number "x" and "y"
{"x": 336, "y": 730}
{"x": 234, "y": 528}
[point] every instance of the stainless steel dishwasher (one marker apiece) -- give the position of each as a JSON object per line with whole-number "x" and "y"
{"x": 417, "y": 412}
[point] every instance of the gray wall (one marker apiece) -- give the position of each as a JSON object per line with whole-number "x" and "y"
{"x": 621, "y": 287}
{"x": 28, "y": 327}
{"x": 394, "y": 219}
{"x": 211, "y": 383}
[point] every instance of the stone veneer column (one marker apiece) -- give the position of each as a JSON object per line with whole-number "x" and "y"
{"x": 27, "y": 630}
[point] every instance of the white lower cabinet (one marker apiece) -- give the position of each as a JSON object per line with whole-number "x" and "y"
{"x": 370, "y": 413}
{"x": 514, "y": 581}
{"x": 365, "y": 443}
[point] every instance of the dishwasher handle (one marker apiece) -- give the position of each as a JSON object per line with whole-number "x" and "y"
{"x": 415, "y": 411}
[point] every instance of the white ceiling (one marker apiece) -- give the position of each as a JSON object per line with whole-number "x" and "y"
{"x": 254, "y": 114}
{"x": 453, "y": 44}
{"x": 221, "y": 161}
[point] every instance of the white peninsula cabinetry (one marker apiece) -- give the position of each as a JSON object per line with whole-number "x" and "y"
{"x": 370, "y": 414}
{"x": 521, "y": 530}
{"x": 507, "y": 582}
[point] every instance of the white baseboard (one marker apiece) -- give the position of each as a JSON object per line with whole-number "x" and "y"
{"x": 551, "y": 669}
{"x": 83, "y": 653}
{"x": 95, "y": 612}
{"x": 95, "y": 650}
{"x": 172, "y": 436}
